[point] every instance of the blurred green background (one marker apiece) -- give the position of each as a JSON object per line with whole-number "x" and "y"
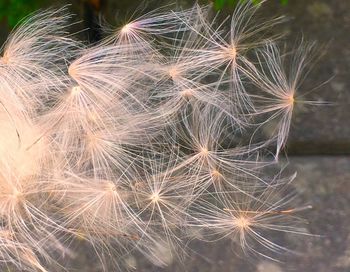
{"x": 12, "y": 11}
{"x": 89, "y": 12}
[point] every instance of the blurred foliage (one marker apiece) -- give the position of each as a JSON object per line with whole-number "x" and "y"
{"x": 14, "y": 10}
{"x": 219, "y": 4}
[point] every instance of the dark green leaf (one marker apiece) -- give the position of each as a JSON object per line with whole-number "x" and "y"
{"x": 219, "y": 4}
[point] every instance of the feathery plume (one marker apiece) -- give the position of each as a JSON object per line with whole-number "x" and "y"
{"x": 134, "y": 141}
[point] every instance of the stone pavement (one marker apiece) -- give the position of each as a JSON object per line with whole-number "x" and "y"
{"x": 324, "y": 183}
{"x": 322, "y": 129}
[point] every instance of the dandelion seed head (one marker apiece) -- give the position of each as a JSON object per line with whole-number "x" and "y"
{"x": 16, "y": 193}
{"x": 12, "y": 197}
{"x": 291, "y": 99}
{"x": 5, "y": 58}
{"x": 72, "y": 71}
{"x": 216, "y": 174}
{"x": 155, "y": 197}
{"x": 127, "y": 28}
{"x": 93, "y": 117}
{"x": 109, "y": 187}
{"x": 187, "y": 93}
{"x": 204, "y": 151}
{"x": 242, "y": 222}
{"x": 92, "y": 137}
{"x": 75, "y": 91}
{"x": 174, "y": 72}
{"x": 230, "y": 53}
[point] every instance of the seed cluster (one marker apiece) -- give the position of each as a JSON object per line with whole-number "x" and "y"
{"x": 153, "y": 137}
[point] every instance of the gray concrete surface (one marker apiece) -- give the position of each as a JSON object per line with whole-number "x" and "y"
{"x": 324, "y": 183}
{"x": 322, "y": 129}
